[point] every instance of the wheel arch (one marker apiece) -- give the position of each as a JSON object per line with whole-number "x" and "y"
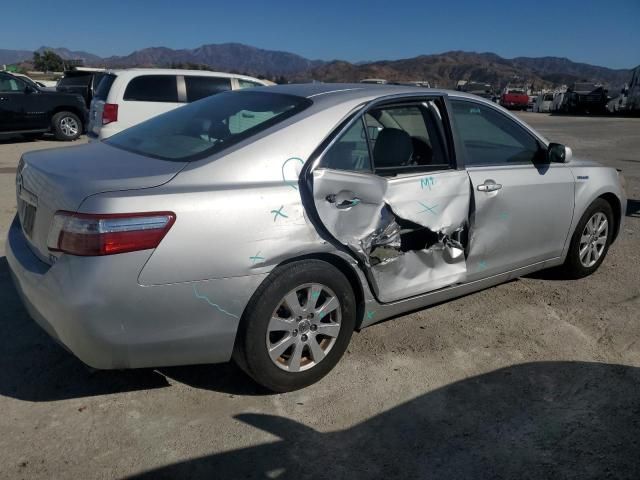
{"x": 347, "y": 270}
{"x": 616, "y": 206}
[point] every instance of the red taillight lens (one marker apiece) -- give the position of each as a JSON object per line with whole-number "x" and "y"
{"x": 90, "y": 235}
{"x": 110, "y": 113}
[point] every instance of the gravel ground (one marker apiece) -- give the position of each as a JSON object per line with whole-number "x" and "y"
{"x": 537, "y": 378}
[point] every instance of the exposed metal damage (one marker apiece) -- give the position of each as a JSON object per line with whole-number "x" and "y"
{"x": 404, "y": 241}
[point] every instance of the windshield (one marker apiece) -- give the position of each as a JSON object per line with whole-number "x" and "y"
{"x": 208, "y": 126}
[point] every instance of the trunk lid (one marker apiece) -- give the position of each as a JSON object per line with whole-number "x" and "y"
{"x": 62, "y": 178}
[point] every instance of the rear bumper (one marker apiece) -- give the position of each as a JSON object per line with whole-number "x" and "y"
{"x": 96, "y": 309}
{"x": 105, "y": 131}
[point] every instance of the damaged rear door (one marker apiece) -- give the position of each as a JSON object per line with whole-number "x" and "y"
{"x": 388, "y": 190}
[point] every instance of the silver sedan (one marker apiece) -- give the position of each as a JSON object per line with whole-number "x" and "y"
{"x": 267, "y": 225}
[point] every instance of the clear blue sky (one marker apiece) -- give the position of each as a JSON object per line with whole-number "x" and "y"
{"x": 597, "y": 32}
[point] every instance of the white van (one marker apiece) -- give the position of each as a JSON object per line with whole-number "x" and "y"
{"x": 127, "y": 97}
{"x": 543, "y": 103}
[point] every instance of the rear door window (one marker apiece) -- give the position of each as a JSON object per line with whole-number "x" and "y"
{"x": 201, "y": 87}
{"x": 152, "y": 88}
{"x": 104, "y": 86}
{"x": 407, "y": 138}
{"x": 350, "y": 151}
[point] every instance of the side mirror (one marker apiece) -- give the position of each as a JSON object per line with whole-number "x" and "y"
{"x": 29, "y": 89}
{"x": 558, "y": 153}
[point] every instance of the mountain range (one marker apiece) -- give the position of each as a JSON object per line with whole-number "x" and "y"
{"x": 443, "y": 69}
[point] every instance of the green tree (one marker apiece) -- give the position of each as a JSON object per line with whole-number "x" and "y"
{"x": 48, "y": 61}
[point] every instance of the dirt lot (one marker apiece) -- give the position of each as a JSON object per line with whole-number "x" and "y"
{"x": 537, "y": 378}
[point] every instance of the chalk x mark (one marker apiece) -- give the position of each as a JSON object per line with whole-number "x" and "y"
{"x": 256, "y": 257}
{"x": 427, "y": 208}
{"x": 278, "y": 212}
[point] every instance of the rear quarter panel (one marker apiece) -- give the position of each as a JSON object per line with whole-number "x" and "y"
{"x": 239, "y": 215}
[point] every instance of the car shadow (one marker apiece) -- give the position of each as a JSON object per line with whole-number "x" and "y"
{"x": 9, "y": 139}
{"x": 37, "y": 369}
{"x": 535, "y": 420}
{"x": 633, "y": 208}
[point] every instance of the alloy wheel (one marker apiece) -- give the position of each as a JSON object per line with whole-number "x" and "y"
{"x": 593, "y": 239}
{"x": 69, "y": 126}
{"x": 304, "y": 327}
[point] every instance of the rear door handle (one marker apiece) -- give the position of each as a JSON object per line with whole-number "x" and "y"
{"x": 489, "y": 186}
{"x": 344, "y": 204}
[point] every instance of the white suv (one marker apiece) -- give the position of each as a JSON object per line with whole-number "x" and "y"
{"x": 127, "y": 97}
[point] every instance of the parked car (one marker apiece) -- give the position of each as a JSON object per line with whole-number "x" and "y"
{"x": 83, "y": 81}
{"x": 27, "y": 109}
{"x": 514, "y": 98}
{"x": 618, "y": 103}
{"x": 556, "y": 103}
{"x": 543, "y": 103}
{"x": 127, "y": 97}
{"x": 415, "y": 83}
{"x": 30, "y": 80}
{"x": 585, "y": 98}
{"x": 483, "y": 90}
{"x": 267, "y": 225}
{"x": 633, "y": 93}
{"x": 374, "y": 81}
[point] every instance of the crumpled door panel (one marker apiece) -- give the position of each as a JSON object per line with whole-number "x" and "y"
{"x": 408, "y": 232}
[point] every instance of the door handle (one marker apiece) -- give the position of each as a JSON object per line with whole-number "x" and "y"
{"x": 344, "y": 204}
{"x": 3, "y": 99}
{"x": 489, "y": 186}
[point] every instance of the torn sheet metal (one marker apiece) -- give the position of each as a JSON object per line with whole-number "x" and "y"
{"x": 408, "y": 232}
{"x": 439, "y": 201}
{"x": 414, "y": 270}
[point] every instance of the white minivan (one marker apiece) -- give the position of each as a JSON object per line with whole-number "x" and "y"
{"x": 127, "y": 97}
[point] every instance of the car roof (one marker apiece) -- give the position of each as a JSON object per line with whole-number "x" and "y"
{"x": 134, "y": 72}
{"x": 337, "y": 93}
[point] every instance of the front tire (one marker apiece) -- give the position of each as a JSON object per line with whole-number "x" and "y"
{"x": 66, "y": 126}
{"x": 297, "y": 326}
{"x": 590, "y": 241}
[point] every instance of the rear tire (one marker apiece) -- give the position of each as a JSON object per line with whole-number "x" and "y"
{"x": 66, "y": 126}
{"x": 588, "y": 249}
{"x": 256, "y": 350}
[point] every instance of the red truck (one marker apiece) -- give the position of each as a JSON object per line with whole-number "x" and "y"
{"x": 514, "y": 98}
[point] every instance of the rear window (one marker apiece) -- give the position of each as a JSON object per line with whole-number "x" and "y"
{"x": 201, "y": 87}
{"x": 104, "y": 86}
{"x": 76, "y": 80}
{"x": 248, "y": 83}
{"x": 152, "y": 88}
{"x": 209, "y": 126}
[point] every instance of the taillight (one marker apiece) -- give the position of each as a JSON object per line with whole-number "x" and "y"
{"x": 110, "y": 113}
{"x": 106, "y": 234}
